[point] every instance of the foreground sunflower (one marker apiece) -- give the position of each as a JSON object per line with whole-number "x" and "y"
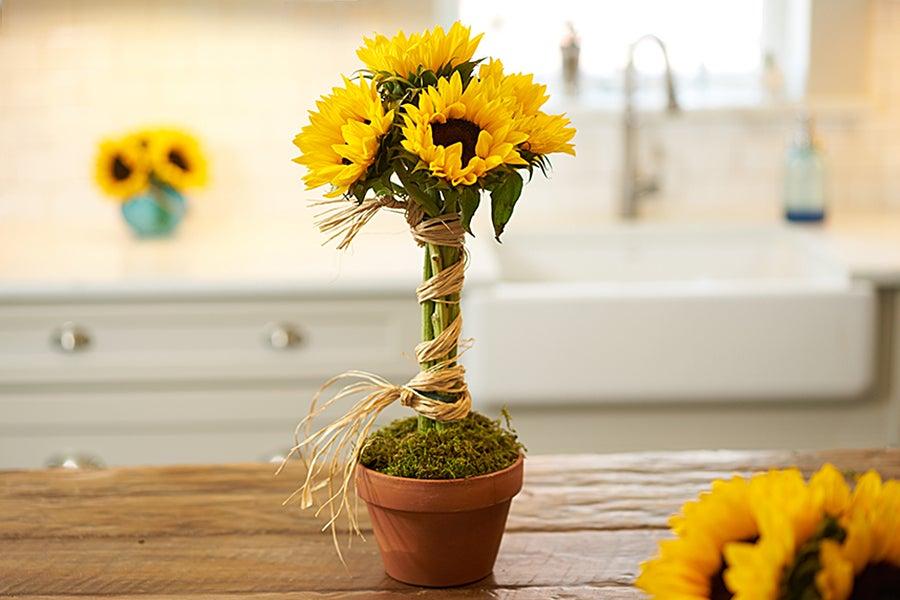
{"x": 121, "y": 168}
{"x": 738, "y": 539}
{"x": 813, "y": 541}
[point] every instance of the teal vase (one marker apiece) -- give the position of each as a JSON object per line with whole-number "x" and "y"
{"x": 156, "y": 212}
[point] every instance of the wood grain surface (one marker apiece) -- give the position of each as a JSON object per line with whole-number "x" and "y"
{"x": 579, "y": 529}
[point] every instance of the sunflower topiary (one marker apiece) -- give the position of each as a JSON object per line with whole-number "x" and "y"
{"x": 428, "y": 130}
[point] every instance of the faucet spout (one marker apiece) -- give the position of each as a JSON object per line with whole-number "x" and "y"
{"x": 633, "y": 185}
{"x": 631, "y": 72}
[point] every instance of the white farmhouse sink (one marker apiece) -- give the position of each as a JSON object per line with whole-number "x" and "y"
{"x": 662, "y": 313}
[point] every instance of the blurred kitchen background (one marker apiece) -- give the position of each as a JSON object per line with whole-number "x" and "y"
{"x": 690, "y": 315}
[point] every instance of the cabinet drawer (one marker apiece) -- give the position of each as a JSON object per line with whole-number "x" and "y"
{"x": 128, "y": 426}
{"x": 220, "y": 341}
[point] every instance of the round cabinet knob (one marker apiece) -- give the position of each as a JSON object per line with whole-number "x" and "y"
{"x": 75, "y": 460}
{"x": 283, "y": 336}
{"x": 70, "y": 337}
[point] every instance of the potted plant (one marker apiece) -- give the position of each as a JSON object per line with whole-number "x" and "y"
{"x": 427, "y": 131}
{"x": 147, "y": 170}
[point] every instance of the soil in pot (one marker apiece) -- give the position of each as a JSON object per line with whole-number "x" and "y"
{"x": 440, "y": 523}
{"x": 476, "y": 445}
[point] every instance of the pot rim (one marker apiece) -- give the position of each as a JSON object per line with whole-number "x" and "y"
{"x": 439, "y": 495}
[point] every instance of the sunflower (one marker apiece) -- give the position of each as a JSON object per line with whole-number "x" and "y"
{"x": 342, "y": 138}
{"x": 690, "y": 566}
{"x": 461, "y": 134}
{"x": 789, "y": 512}
{"x": 121, "y": 168}
{"x": 867, "y": 563}
{"x": 432, "y": 50}
{"x": 546, "y": 133}
{"x": 176, "y": 157}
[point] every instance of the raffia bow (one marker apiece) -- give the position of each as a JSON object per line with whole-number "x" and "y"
{"x": 331, "y": 453}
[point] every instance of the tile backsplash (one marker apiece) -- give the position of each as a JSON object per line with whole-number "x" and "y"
{"x": 242, "y": 74}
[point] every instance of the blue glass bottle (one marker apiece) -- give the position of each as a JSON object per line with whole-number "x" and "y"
{"x": 804, "y": 179}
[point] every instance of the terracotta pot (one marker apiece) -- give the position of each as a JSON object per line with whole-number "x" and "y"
{"x": 439, "y": 532}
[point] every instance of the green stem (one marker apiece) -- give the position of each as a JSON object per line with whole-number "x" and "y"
{"x": 438, "y": 315}
{"x": 424, "y": 423}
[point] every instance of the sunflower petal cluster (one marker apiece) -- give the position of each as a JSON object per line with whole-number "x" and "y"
{"x": 775, "y": 536}
{"x": 424, "y": 123}
{"x": 342, "y": 138}
{"x": 128, "y": 165}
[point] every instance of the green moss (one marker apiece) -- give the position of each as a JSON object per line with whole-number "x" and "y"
{"x": 469, "y": 447}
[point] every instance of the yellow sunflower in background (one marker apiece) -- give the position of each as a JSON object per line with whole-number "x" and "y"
{"x": 121, "y": 169}
{"x": 342, "y": 138}
{"x": 691, "y": 566}
{"x": 461, "y": 134}
{"x": 546, "y": 133}
{"x": 431, "y": 50}
{"x": 142, "y": 138}
{"x": 867, "y": 563}
{"x": 175, "y": 157}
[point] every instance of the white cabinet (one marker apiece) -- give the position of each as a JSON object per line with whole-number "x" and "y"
{"x": 141, "y": 381}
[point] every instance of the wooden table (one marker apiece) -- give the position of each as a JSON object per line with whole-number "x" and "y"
{"x": 579, "y": 529}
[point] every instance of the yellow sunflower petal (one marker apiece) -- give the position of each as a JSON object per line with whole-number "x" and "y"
{"x": 688, "y": 566}
{"x": 835, "y": 579}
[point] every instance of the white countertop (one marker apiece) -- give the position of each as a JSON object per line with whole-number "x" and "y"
{"x": 869, "y": 246}
{"x": 276, "y": 258}
{"x": 60, "y": 261}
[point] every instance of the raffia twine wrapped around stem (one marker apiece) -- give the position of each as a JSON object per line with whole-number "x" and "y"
{"x": 331, "y": 453}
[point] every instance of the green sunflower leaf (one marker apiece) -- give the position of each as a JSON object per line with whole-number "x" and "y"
{"x": 469, "y": 199}
{"x": 504, "y": 196}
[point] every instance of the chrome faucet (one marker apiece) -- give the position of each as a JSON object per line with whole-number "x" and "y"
{"x": 634, "y": 185}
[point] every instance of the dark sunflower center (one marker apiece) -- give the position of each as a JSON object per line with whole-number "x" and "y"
{"x": 178, "y": 159}
{"x": 717, "y": 589}
{"x": 457, "y": 130}
{"x": 120, "y": 170}
{"x": 879, "y": 581}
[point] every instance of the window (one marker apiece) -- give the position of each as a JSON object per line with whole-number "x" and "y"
{"x": 717, "y": 48}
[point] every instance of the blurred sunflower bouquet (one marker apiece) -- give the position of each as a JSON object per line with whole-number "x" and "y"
{"x": 775, "y": 536}
{"x": 426, "y": 130}
{"x": 147, "y": 170}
